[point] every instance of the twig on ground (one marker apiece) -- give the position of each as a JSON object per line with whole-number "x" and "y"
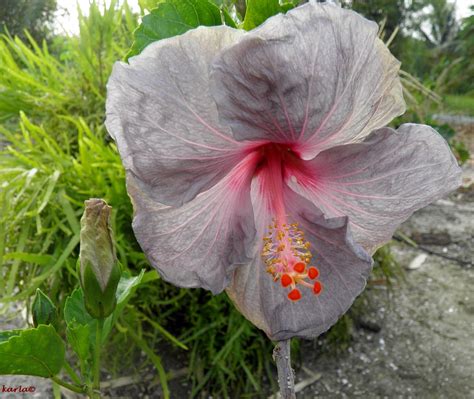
{"x": 400, "y": 237}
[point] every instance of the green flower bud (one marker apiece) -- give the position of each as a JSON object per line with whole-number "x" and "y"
{"x": 43, "y": 309}
{"x": 99, "y": 269}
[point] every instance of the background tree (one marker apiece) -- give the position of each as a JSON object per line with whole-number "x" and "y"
{"x": 36, "y": 16}
{"x": 437, "y": 24}
{"x": 396, "y": 15}
{"x": 464, "y": 48}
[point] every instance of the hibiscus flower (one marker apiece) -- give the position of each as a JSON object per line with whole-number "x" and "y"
{"x": 259, "y": 162}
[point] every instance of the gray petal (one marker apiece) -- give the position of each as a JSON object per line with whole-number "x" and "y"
{"x": 317, "y": 76}
{"x": 164, "y": 120}
{"x": 343, "y": 265}
{"x": 380, "y": 182}
{"x": 200, "y": 243}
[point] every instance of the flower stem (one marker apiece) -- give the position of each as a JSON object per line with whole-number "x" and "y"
{"x": 71, "y": 387}
{"x": 286, "y": 377}
{"x": 98, "y": 344}
{"x": 72, "y": 373}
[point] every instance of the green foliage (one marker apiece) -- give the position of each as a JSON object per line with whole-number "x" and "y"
{"x": 44, "y": 188}
{"x": 459, "y": 104}
{"x": 339, "y": 336}
{"x": 225, "y": 347}
{"x": 174, "y": 17}
{"x": 75, "y": 311}
{"x": 392, "y": 14}
{"x": 449, "y": 134}
{"x": 48, "y": 87}
{"x": 442, "y": 25}
{"x": 39, "y": 351}
{"x": 104, "y": 35}
{"x": 78, "y": 336}
{"x": 86, "y": 334}
{"x": 461, "y": 150}
{"x": 34, "y": 16}
{"x": 171, "y": 18}
{"x": 259, "y": 11}
{"x": 464, "y": 82}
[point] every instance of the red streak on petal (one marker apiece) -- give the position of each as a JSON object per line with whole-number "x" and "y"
{"x": 243, "y": 172}
{"x": 294, "y": 295}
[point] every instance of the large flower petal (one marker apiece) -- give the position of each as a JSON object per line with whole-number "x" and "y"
{"x": 317, "y": 76}
{"x": 380, "y": 182}
{"x": 164, "y": 120}
{"x": 343, "y": 265}
{"x": 200, "y": 243}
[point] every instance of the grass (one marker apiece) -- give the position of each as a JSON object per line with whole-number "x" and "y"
{"x": 459, "y": 104}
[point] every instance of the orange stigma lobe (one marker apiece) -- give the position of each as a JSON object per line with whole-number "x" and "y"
{"x": 294, "y": 294}
{"x": 317, "y": 288}
{"x": 313, "y": 273}
{"x": 286, "y": 280}
{"x": 287, "y": 256}
{"x": 299, "y": 267}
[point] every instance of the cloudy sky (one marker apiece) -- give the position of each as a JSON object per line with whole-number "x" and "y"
{"x": 67, "y": 18}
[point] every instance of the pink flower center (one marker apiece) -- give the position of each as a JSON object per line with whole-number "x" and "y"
{"x": 286, "y": 253}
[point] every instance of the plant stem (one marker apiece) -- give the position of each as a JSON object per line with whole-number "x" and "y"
{"x": 98, "y": 344}
{"x": 71, "y": 387}
{"x": 286, "y": 377}
{"x": 72, "y": 373}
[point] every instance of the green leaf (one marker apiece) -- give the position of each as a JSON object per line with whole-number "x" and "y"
{"x": 150, "y": 275}
{"x": 75, "y": 311}
{"x": 258, "y": 11}
{"x": 287, "y": 6}
{"x": 228, "y": 18}
{"x": 5, "y": 335}
{"x": 29, "y": 258}
{"x": 171, "y": 18}
{"x": 78, "y": 336}
{"x": 49, "y": 190}
{"x": 69, "y": 212}
{"x": 126, "y": 288}
{"x": 38, "y": 351}
{"x": 75, "y": 314}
